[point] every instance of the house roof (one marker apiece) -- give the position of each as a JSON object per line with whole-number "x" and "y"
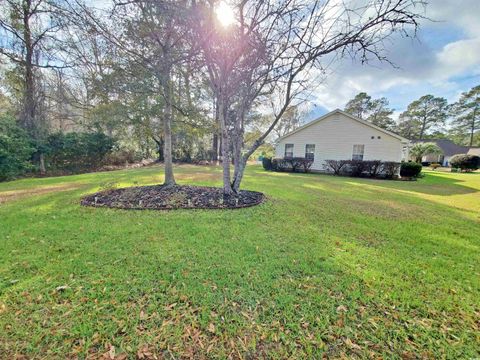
{"x": 338, "y": 111}
{"x": 448, "y": 147}
{"x": 474, "y": 150}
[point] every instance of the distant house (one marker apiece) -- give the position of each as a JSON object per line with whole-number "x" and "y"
{"x": 474, "y": 150}
{"x": 449, "y": 148}
{"x": 341, "y": 136}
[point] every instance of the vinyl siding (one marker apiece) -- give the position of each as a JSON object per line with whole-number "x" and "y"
{"x": 334, "y": 138}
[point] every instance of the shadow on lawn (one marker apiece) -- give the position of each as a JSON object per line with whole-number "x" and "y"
{"x": 431, "y": 184}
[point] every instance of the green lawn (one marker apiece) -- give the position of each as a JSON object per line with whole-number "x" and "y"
{"x": 329, "y": 266}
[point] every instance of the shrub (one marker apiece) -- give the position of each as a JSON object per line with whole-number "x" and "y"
{"x": 434, "y": 166}
{"x": 121, "y": 157}
{"x": 355, "y": 168}
{"x": 298, "y": 163}
{"x": 267, "y": 163}
{"x": 291, "y": 164}
{"x": 465, "y": 162}
{"x": 373, "y": 167}
{"x": 15, "y": 149}
{"x": 390, "y": 169}
{"x": 335, "y": 166}
{"x": 280, "y": 164}
{"x": 410, "y": 169}
{"x": 74, "y": 152}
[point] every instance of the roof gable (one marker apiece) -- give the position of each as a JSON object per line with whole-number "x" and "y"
{"x": 338, "y": 111}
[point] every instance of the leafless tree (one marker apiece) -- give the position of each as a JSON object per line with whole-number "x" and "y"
{"x": 275, "y": 47}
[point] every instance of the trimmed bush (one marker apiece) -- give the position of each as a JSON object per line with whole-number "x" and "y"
{"x": 465, "y": 162}
{"x": 410, "y": 169}
{"x": 373, "y": 167}
{"x": 15, "y": 150}
{"x": 335, "y": 166}
{"x": 267, "y": 163}
{"x": 355, "y": 168}
{"x": 298, "y": 163}
{"x": 390, "y": 169}
{"x": 292, "y": 164}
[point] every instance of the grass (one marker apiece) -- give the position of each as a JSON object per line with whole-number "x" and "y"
{"x": 328, "y": 266}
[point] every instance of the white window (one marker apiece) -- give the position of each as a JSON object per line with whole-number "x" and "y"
{"x": 288, "y": 150}
{"x": 358, "y": 151}
{"x": 310, "y": 151}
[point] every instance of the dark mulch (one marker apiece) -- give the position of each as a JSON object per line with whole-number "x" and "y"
{"x": 159, "y": 197}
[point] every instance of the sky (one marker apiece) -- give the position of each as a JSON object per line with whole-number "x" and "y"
{"x": 444, "y": 60}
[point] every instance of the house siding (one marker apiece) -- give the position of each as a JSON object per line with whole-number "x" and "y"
{"x": 334, "y": 138}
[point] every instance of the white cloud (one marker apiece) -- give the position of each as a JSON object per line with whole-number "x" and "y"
{"x": 446, "y": 50}
{"x": 459, "y": 56}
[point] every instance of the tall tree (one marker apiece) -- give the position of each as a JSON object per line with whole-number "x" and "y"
{"x": 422, "y": 115}
{"x": 150, "y": 34}
{"x": 29, "y": 30}
{"x": 466, "y": 113}
{"x": 276, "y": 47}
{"x": 292, "y": 119}
{"x": 359, "y": 106}
{"x": 375, "y": 111}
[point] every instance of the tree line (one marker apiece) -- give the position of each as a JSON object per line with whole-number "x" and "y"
{"x": 171, "y": 77}
{"x": 428, "y": 117}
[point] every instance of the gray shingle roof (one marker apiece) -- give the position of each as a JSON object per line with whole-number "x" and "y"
{"x": 448, "y": 147}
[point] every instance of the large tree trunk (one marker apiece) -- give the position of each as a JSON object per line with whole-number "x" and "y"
{"x": 214, "y": 148}
{"x": 160, "y": 147}
{"x": 238, "y": 160}
{"x": 472, "y": 130}
{"x": 167, "y": 129}
{"x": 239, "y": 171}
{"x": 227, "y": 186}
{"x": 27, "y": 119}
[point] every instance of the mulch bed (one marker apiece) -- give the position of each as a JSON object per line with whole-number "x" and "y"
{"x": 160, "y": 197}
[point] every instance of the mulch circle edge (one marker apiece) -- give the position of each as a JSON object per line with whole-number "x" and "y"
{"x": 90, "y": 201}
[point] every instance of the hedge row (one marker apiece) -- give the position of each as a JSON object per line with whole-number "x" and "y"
{"x": 363, "y": 168}
{"x": 354, "y": 168}
{"x": 296, "y": 164}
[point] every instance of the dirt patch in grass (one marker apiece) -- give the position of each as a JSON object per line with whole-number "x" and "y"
{"x": 160, "y": 197}
{"x": 13, "y": 195}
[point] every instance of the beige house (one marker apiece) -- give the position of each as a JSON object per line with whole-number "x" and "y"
{"x": 474, "y": 150}
{"x": 341, "y": 136}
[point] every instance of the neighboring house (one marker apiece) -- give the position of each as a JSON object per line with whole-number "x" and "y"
{"x": 341, "y": 136}
{"x": 474, "y": 150}
{"x": 449, "y": 148}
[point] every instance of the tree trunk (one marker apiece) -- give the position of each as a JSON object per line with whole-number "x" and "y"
{"x": 41, "y": 158}
{"x": 214, "y": 148}
{"x": 167, "y": 129}
{"x": 472, "y": 130}
{"x": 238, "y": 175}
{"x": 422, "y": 130}
{"x": 160, "y": 144}
{"x": 227, "y": 186}
{"x": 28, "y": 111}
{"x": 238, "y": 159}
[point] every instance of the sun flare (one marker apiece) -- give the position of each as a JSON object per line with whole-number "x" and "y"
{"x": 225, "y": 14}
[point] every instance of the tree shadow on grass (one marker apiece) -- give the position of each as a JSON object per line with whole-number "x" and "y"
{"x": 431, "y": 184}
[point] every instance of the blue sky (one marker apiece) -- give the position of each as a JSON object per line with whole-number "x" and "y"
{"x": 444, "y": 61}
